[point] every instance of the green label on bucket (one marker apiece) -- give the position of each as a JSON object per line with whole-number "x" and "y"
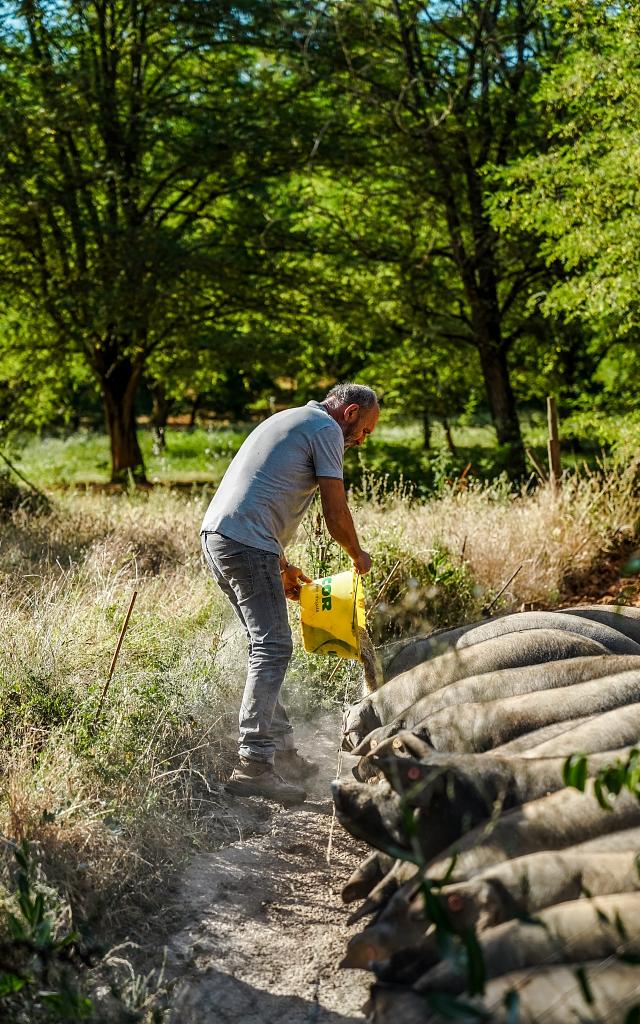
{"x": 326, "y": 594}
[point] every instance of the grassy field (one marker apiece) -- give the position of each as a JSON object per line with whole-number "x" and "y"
{"x": 111, "y": 804}
{"x": 395, "y": 451}
{"x": 201, "y": 455}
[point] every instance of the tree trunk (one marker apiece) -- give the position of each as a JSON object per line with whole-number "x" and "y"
{"x": 449, "y": 436}
{"x": 160, "y": 409}
{"x": 426, "y": 430}
{"x": 480, "y": 272}
{"x": 195, "y": 405}
{"x": 119, "y": 388}
{"x": 495, "y": 371}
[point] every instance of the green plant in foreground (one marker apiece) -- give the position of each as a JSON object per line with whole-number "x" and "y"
{"x": 609, "y": 781}
{"x": 38, "y": 954}
{"x": 40, "y": 979}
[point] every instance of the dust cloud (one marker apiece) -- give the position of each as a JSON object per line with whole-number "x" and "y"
{"x": 371, "y": 663}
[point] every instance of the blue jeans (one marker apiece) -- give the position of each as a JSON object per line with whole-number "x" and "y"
{"x": 251, "y": 580}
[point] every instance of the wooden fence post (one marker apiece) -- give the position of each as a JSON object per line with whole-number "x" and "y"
{"x": 553, "y": 444}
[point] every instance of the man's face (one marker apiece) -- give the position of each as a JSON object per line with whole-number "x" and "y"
{"x": 357, "y": 424}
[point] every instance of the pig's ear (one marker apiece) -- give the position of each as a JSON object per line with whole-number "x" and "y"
{"x": 418, "y": 747}
{"x": 364, "y": 747}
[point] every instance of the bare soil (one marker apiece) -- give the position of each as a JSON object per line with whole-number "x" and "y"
{"x": 263, "y": 925}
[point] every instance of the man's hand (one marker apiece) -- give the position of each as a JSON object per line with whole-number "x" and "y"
{"x": 362, "y": 563}
{"x": 292, "y": 576}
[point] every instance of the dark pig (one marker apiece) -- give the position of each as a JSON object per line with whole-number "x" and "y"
{"x": 527, "y": 648}
{"x": 485, "y": 725}
{"x": 507, "y": 682}
{"x": 371, "y": 813}
{"x": 514, "y": 889}
{"x": 599, "y": 627}
{"x": 623, "y": 618}
{"x": 366, "y": 876}
{"x": 618, "y": 727}
{"x": 485, "y": 779}
{"x": 554, "y": 995}
{"x": 572, "y": 932}
{"x": 552, "y": 822}
{"x": 401, "y": 872}
{"x": 377, "y": 815}
{"x": 444, "y": 796}
{"x": 531, "y": 740}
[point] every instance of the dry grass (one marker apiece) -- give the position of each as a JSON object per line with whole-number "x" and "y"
{"x": 548, "y": 534}
{"x": 115, "y": 805}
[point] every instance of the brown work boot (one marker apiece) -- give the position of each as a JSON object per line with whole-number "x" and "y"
{"x": 258, "y": 778}
{"x": 294, "y": 766}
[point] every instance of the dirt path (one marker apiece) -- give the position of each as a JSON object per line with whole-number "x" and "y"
{"x": 266, "y": 926}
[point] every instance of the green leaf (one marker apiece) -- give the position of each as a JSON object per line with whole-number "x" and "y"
{"x": 17, "y": 928}
{"x": 67, "y": 940}
{"x": 613, "y": 778}
{"x": 620, "y": 928}
{"x": 409, "y": 821}
{"x": 23, "y": 856}
{"x": 575, "y": 771}
{"x": 10, "y": 983}
{"x": 42, "y": 934}
{"x": 38, "y": 909}
{"x": 434, "y": 908}
{"x": 69, "y": 1005}
{"x": 448, "y": 873}
{"x": 476, "y": 972}
{"x": 601, "y": 795}
{"x": 27, "y": 907}
{"x": 24, "y": 885}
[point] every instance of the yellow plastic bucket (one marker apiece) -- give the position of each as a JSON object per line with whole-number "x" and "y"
{"x": 331, "y": 615}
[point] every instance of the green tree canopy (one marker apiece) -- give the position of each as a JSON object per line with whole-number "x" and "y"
{"x": 437, "y": 97}
{"x": 139, "y": 137}
{"x": 579, "y": 193}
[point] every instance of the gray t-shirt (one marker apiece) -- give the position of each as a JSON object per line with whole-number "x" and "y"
{"x": 271, "y": 481}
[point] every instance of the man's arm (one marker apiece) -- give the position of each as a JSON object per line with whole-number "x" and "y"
{"x": 340, "y": 523}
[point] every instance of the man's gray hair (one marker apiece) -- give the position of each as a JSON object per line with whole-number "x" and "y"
{"x": 351, "y": 394}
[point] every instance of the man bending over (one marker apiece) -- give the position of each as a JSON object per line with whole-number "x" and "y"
{"x": 254, "y": 514}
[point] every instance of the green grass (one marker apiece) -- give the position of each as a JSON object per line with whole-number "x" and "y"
{"x": 199, "y": 455}
{"x": 395, "y": 451}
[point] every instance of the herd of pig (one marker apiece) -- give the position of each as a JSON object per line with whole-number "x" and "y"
{"x": 460, "y": 794}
